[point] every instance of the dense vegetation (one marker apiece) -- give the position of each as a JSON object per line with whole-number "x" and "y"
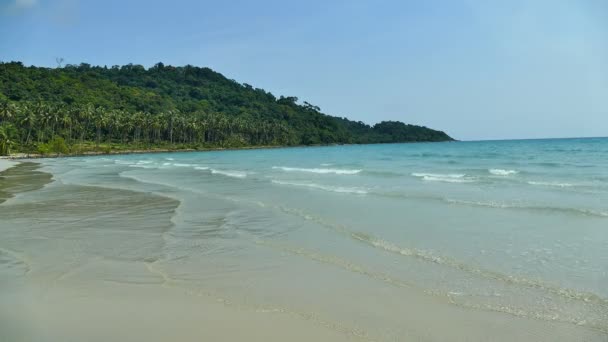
{"x": 80, "y": 108}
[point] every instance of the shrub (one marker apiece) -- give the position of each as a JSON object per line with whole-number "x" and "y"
{"x": 57, "y": 145}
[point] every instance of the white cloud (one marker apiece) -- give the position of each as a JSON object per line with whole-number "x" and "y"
{"x": 25, "y": 3}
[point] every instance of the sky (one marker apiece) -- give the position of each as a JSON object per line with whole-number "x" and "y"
{"x": 477, "y": 69}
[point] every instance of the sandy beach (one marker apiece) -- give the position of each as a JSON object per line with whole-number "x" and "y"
{"x": 100, "y": 253}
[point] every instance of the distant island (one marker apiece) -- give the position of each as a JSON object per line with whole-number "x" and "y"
{"x": 80, "y": 109}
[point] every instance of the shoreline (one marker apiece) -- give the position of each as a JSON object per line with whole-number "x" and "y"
{"x": 21, "y": 156}
{"x": 20, "y": 178}
{"x": 148, "y": 286}
{"x": 77, "y": 294}
{"x": 7, "y": 163}
{"x": 18, "y": 156}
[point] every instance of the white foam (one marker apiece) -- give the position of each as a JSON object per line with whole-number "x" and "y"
{"x": 448, "y": 178}
{"x": 182, "y": 165}
{"x": 230, "y": 173}
{"x": 501, "y": 172}
{"x": 201, "y": 168}
{"x": 499, "y": 205}
{"x": 327, "y": 164}
{"x": 555, "y": 184}
{"x": 339, "y": 189}
{"x": 317, "y": 170}
{"x": 490, "y": 204}
{"x": 143, "y": 166}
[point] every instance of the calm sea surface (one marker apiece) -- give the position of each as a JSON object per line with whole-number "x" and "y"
{"x": 515, "y": 227}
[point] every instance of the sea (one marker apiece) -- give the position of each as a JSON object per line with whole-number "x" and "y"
{"x": 350, "y": 236}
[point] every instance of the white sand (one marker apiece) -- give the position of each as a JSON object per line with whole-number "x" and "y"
{"x": 116, "y": 312}
{"x": 5, "y": 164}
{"x": 99, "y": 312}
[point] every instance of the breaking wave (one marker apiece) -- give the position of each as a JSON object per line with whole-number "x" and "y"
{"x": 448, "y": 178}
{"x": 230, "y": 173}
{"x": 339, "y": 189}
{"x": 501, "y": 205}
{"x": 552, "y": 184}
{"x": 501, "y": 172}
{"x": 318, "y": 170}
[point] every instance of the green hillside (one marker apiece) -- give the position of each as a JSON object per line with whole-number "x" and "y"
{"x": 80, "y": 108}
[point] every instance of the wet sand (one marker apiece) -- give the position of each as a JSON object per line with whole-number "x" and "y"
{"x": 84, "y": 263}
{"x": 58, "y": 284}
{"x": 17, "y": 178}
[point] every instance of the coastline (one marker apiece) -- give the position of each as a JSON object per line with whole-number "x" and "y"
{"x": 6, "y": 163}
{"x": 126, "y": 294}
{"x": 18, "y": 156}
{"x": 21, "y": 177}
{"x": 98, "y": 275}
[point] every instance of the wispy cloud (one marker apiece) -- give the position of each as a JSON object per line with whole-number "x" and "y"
{"x": 16, "y": 6}
{"x": 23, "y": 4}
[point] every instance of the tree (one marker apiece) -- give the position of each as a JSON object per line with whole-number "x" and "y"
{"x": 167, "y": 106}
{"x": 7, "y": 133}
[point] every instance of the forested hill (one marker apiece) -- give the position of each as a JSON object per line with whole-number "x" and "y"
{"x": 84, "y": 106}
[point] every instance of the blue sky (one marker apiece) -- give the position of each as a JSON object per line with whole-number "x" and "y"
{"x": 476, "y": 69}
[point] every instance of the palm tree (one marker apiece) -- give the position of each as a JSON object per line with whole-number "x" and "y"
{"x": 6, "y": 141}
{"x": 28, "y": 120}
{"x": 54, "y": 116}
{"x": 84, "y": 115}
{"x": 100, "y": 118}
{"x": 7, "y": 111}
{"x": 66, "y": 122}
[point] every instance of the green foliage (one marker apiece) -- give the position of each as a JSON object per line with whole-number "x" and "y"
{"x": 55, "y": 146}
{"x": 7, "y": 141}
{"x": 167, "y": 106}
{"x": 389, "y": 131}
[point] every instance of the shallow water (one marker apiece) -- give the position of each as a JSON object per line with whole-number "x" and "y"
{"x": 352, "y": 235}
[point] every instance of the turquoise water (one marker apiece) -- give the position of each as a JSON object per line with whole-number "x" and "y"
{"x": 515, "y": 227}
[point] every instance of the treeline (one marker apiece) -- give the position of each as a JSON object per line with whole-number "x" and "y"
{"x": 82, "y": 108}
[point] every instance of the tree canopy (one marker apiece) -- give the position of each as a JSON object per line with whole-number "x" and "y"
{"x": 182, "y": 107}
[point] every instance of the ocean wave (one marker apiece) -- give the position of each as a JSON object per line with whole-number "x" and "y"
{"x": 318, "y": 170}
{"x": 454, "y": 297}
{"x": 552, "y": 184}
{"x": 501, "y": 205}
{"x": 489, "y": 204}
{"x": 201, "y": 168}
{"x": 432, "y": 257}
{"x": 501, "y": 172}
{"x": 448, "y": 178}
{"x": 230, "y": 173}
{"x": 339, "y": 189}
{"x": 493, "y": 204}
{"x": 383, "y": 173}
{"x": 182, "y": 165}
{"x": 142, "y": 166}
{"x": 429, "y": 256}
